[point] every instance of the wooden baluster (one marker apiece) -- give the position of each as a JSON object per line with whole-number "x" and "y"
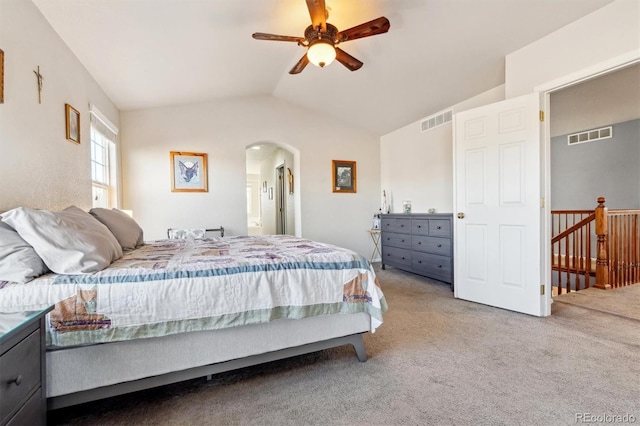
{"x": 625, "y": 250}
{"x": 576, "y": 259}
{"x": 588, "y": 256}
{"x": 567, "y": 263}
{"x": 636, "y": 250}
{"x": 636, "y": 255}
{"x": 602, "y": 262}
{"x": 582, "y": 259}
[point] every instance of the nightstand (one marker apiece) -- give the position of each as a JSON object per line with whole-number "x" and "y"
{"x": 375, "y": 237}
{"x": 23, "y": 398}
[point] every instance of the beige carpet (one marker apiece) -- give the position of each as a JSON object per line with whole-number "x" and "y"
{"x": 435, "y": 361}
{"x": 624, "y": 301}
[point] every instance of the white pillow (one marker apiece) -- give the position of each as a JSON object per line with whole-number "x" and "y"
{"x": 69, "y": 242}
{"x": 19, "y": 262}
{"x": 122, "y": 226}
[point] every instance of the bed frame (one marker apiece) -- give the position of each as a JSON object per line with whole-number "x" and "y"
{"x": 88, "y": 373}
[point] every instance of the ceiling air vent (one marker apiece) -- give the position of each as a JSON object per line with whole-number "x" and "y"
{"x": 436, "y": 120}
{"x": 590, "y": 135}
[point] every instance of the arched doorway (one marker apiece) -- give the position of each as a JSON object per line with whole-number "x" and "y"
{"x": 273, "y": 189}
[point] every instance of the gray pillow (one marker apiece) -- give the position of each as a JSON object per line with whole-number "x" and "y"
{"x": 19, "y": 262}
{"x": 69, "y": 242}
{"x": 122, "y": 226}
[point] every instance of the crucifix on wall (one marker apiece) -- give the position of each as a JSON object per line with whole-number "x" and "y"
{"x": 40, "y": 78}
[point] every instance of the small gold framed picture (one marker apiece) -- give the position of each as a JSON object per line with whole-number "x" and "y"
{"x": 73, "y": 123}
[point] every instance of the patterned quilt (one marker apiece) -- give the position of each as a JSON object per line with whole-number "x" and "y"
{"x": 173, "y": 286}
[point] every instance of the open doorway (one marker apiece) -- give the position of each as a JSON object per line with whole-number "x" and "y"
{"x": 594, "y": 151}
{"x": 272, "y": 207}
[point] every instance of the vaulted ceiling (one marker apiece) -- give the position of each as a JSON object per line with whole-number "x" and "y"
{"x": 151, "y": 53}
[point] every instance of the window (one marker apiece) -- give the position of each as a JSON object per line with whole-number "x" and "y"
{"x": 103, "y": 161}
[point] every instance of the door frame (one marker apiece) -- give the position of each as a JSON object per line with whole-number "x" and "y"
{"x": 545, "y": 90}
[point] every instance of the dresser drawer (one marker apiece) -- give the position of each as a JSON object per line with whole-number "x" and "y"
{"x": 439, "y": 228}
{"x": 21, "y": 363}
{"x": 396, "y": 257}
{"x": 396, "y": 240}
{"x": 435, "y": 245}
{"x": 438, "y": 267}
{"x": 420, "y": 226}
{"x": 395, "y": 224}
{"x": 31, "y": 413}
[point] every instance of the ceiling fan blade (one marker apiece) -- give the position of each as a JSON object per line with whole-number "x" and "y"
{"x": 275, "y": 37}
{"x": 318, "y": 13}
{"x": 371, "y": 28}
{"x": 297, "y": 68}
{"x": 347, "y": 60}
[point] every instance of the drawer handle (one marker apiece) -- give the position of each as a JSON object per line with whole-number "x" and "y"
{"x": 402, "y": 241}
{"x": 439, "y": 266}
{"x": 439, "y": 245}
{"x": 17, "y": 380}
{"x": 419, "y": 226}
{"x": 402, "y": 257}
{"x": 402, "y": 226}
{"x": 419, "y": 261}
{"x": 419, "y": 242}
{"x": 438, "y": 227}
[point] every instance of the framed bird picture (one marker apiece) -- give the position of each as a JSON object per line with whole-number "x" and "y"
{"x": 188, "y": 171}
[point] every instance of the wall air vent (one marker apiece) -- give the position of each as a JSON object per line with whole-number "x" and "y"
{"x": 590, "y": 135}
{"x": 436, "y": 120}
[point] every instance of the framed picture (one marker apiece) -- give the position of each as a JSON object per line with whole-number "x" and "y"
{"x": 73, "y": 123}
{"x": 344, "y": 176}
{"x": 290, "y": 175}
{"x": 188, "y": 171}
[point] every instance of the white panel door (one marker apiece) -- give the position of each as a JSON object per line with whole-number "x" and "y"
{"x": 497, "y": 189}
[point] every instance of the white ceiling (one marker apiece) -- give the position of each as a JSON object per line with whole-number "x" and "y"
{"x": 149, "y": 53}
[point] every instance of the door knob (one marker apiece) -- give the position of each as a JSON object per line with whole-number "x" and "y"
{"x": 460, "y": 215}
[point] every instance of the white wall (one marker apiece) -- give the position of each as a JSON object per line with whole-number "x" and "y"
{"x": 607, "y": 33}
{"x": 418, "y": 166}
{"x": 223, "y": 129}
{"x": 38, "y": 166}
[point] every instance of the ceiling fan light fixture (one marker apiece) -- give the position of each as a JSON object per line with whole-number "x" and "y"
{"x": 321, "y": 53}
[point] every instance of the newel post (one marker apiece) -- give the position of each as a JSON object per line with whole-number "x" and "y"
{"x": 602, "y": 261}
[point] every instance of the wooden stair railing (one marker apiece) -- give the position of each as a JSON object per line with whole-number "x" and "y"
{"x": 615, "y": 239}
{"x": 571, "y": 252}
{"x": 623, "y": 249}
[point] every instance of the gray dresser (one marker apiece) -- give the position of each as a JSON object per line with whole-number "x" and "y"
{"x": 419, "y": 243}
{"x": 23, "y": 399}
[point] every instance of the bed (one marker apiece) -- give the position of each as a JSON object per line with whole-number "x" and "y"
{"x": 172, "y": 310}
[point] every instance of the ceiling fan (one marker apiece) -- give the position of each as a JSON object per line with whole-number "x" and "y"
{"x": 321, "y": 39}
